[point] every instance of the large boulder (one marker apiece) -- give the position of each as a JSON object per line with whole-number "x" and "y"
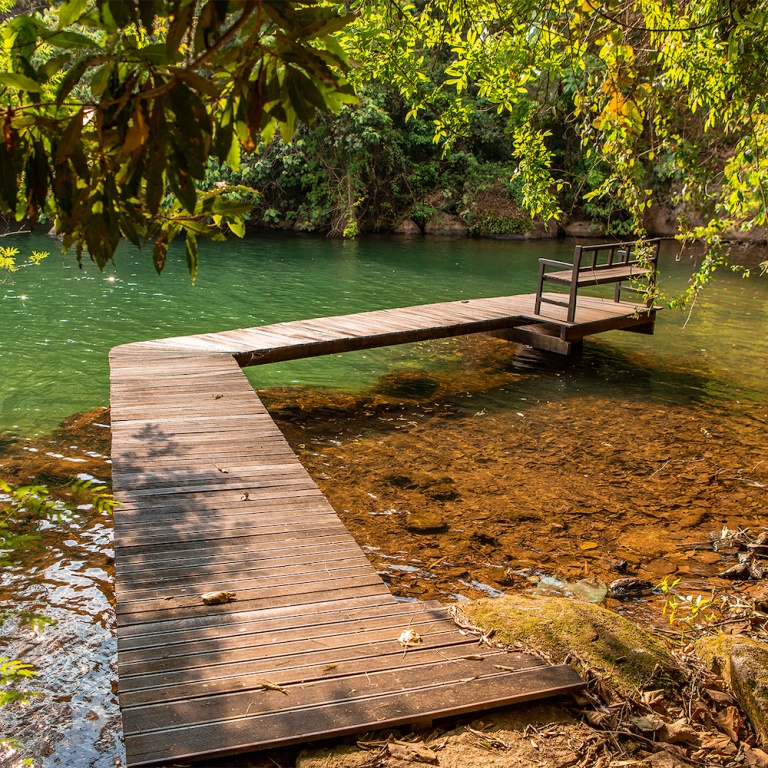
{"x": 743, "y": 663}
{"x": 407, "y": 227}
{"x": 585, "y": 228}
{"x": 661, "y": 221}
{"x": 442, "y": 223}
{"x": 627, "y": 657}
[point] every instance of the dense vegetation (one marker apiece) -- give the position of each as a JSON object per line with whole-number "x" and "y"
{"x": 153, "y": 119}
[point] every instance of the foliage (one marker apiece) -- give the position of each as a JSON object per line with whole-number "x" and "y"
{"x": 653, "y": 96}
{"x": 13, "y": 672}
{"x": 685, "y": 611}
{"x": 9, "y": 263}
{"x": 108, "y": 104}
{"x": 365, "y": 168}
{"x": 128, "y": 118}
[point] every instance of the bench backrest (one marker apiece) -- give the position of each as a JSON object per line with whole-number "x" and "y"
{"x": 608, "y": 255}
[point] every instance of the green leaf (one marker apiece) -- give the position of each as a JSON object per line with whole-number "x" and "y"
{"x": 71, "y": 79}
{"x": 22, "y": 82}
{"x": 100, "y": 79}
{"x": 70, "y": 137}
{"x": 199, "y": 83}
{"x": 71, "y": 40}
{"x": 178, "y": 29}
{"x": 237, "y": 226}
{"x": 70, "y": 11}
{"x": 55, "y": 65}
{"x": 154, "y": 54}
{"x": 191, "y": 248}
{"x": 124, "y": 13}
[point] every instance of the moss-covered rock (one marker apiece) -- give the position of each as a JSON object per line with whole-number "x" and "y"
{"x": 627, "y": 657}
{"x": 743, "y": 663}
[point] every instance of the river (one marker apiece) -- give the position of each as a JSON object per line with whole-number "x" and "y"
{"x": 544, "y": 468}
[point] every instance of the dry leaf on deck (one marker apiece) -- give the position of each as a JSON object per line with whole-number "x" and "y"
{"x": 266, "y": 685}
{"x": 408, "y": 638}
{"x": 217, "y": 598}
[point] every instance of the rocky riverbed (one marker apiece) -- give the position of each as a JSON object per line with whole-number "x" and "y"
{"x": 473, "y": 484}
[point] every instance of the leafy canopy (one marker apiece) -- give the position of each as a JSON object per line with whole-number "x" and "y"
{"x": 105, "y": 105}
{"x": 111, "y": 109}
{"x": 659, "y": 94}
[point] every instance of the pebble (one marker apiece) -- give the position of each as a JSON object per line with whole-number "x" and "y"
{"x": 738, "y": 572}
{"x": 630, "y": 586}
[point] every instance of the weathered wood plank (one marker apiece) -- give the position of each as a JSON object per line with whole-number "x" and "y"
{"x": 342, "y": 716}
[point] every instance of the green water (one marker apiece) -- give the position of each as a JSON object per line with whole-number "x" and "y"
{"x": 58, "y": 321}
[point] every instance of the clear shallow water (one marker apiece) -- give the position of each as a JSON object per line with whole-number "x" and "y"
{"x": 53, "y": 353}
{"x": 58, "y": 321}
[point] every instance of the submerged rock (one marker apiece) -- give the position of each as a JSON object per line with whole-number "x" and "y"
{"x": 424, "y": 522}
{"x": 743, "y": 663}
{"x": 738, "y": 572}
{"x": 591, "y": 590}
{"x": 630, "y": 587}
{"x": 406, "y": 383}
{"x": 625, "y": 655}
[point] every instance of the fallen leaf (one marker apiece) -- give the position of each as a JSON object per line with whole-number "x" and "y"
{"x": 719, "y": 697}
{"x": 756, "y": 758}
{"x": 266, "y": 685}
{"x": 720, "y": 744}
{"x": 647, "y": 723}
{"x": 652, "y": 699}
{"x": 678, "y": 732}
{"x": 217, "y": 598}
{"x": 588, "y": 545}
{"x": 730, "y": 721}
{"x": 329, "y": 667}
{"x": 596, "y": 718}
{"x": 408, "y": 638}
{"x": 414, "y": 753}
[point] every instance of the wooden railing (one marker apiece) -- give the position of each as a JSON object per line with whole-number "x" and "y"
{"x": 598, "y": 265}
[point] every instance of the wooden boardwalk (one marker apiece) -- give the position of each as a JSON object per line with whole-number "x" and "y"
{"x": 214, "y": 499}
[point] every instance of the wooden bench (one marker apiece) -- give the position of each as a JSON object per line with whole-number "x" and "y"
{"x": 599, "y": 265}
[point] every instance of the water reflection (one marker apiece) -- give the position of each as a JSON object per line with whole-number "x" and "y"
{"x": 75, "y": 721}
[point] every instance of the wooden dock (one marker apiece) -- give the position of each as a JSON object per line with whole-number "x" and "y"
{"x": 212, "y": 498}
